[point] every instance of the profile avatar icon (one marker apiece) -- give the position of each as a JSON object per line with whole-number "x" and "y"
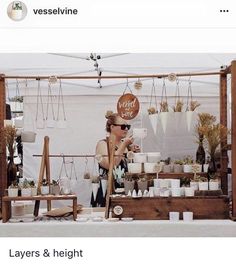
{"x": 17, "y": 10}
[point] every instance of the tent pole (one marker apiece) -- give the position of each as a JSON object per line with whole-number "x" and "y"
{"x": 3, "y": 167}
{"x": 233, "y": 136}
{"x": 223, "y": 121}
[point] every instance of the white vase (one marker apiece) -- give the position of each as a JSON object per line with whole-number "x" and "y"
{"x": 174, "y": 216}
{"x": 26, "y": 192}
{"x": 188, "y": 216}
{"x": 156, "y": 191}
{"x": 153, "y": 121}
{"x": 12, "y": 192}
{"x": 203, "y": 186}
{"x": 95, "y": 187}
{"x": 213, "y": 185}
{"x": 205, "y": 167}
{"x": 104, "y": 187}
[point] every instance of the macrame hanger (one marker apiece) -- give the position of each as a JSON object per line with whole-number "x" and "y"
{"x": 177, "y": 93}
{"x": 39, "y": 102}
{"x": 50, "y": 102}
{"x": 61, "y": 102}
{"x": 153, "y": 95}
{"x": 17, "y": 96}
{"x": 189, "y": 95}
{"x": 163, "y": 92}
{"x": 73, "y": 170}
{"x": 127, "y": 86}
{"x": 63, "y": 165}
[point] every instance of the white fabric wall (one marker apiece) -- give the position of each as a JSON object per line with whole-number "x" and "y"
{"x": 86, "y": 125}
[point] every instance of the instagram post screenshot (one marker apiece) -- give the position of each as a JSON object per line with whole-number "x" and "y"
{"x": 117, "y": 131}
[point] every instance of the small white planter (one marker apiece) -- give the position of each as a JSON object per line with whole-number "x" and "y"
{"x": 164, "y": 192}
{"x": 12, "y": 192}
{"x": 203, "y": 186}
{"x": 178, "y": 168}
{"x": 189, "y": 191}
{"x": 135, "y": 167}
{"x": 164, "y": 183}
{"x": 174, "y": 216}
{"x": 188, "y": 168}
{"x": 153, "y": 157}
{"x": 44, "y": 190}
{"x": 175, "y": 192}
{"x": 214, "y": 185}
{"x": 156, "y": 183}
{"x": 150, "y": 167}
{"x": 188, "y": 216}
{"x": 194, "y": 185}
{"x": 182, "y": 191}
{"x": 140, "y": 157}
{"x": 34, "y": 191}
{"x": 175, "y": 183}
{"x": 167, "y": 168}
{"x": 26, "y": 192}
{"x": 28, "y": 136}
{"x": 156, "y": 191}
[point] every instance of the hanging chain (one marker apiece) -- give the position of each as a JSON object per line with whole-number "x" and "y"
{"x": 60, "y": 98}
{"x": 163, "y": 93}
{"x": 50, "y": 97}
{"x": 127, "y": 86}
{"x": 177, "y": 93}
{"x": 190, "y": 95}
{"x": 153, "y": 94}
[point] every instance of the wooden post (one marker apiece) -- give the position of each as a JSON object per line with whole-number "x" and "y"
{"x": 223, "y": 121}
{"x": 3, "y": 166}
{"x": 233, "y": 136}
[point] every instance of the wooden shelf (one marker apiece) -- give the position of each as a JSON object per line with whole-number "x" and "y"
{"x": 6, "y": 203}
{"x": 163, "y": 175}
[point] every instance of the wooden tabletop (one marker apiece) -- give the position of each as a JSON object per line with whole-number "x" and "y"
{"x": 40, "y": 197}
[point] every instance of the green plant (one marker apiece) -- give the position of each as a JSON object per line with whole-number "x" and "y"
{"x": 44, "y": 182}
{"x": 17, "y": 6}
{"x": 180, "y": 162}
{"x": 32, "y": 184}
{"x": 185, "y": 181}
{"x": 55, "y": 183}
{"x": 25, "y": 184}
{"x": 188, "y": 160}
{"x": 14, "y": 185}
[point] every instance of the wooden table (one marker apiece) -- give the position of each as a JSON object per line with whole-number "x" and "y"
{"x": 6, "y": 203}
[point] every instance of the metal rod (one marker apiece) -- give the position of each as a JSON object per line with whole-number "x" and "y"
{"x": 73, "y": 156}
{"x": 115, "y": 76}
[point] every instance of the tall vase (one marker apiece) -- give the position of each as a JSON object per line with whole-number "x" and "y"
{"x": 212, "y": 165}
{"x": 11, "y": 171}
{"x": 200, "y": 154}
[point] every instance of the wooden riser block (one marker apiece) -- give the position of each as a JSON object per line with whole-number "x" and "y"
{"x": 158, "y": 208}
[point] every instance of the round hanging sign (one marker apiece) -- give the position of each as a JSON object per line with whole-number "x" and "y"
{"x": 128, "y": 106}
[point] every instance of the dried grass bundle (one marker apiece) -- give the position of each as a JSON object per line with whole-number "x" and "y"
{"x": 164, "y": 106}
{"x": 9, "y": 133}
{"x": 152, "y": 110}
{"x": 193, "y": 105}
{"x": 178, "y": 106}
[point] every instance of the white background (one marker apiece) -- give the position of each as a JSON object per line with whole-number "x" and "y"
{"x": 120, "y": 22}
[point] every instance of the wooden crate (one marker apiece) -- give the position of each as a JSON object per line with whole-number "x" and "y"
{"x": 158, "y": 208}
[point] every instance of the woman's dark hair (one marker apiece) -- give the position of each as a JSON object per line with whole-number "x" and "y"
{"x": 111, "y": 120}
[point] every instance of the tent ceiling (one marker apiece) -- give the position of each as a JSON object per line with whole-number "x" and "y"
{"x": 117, "y": 64}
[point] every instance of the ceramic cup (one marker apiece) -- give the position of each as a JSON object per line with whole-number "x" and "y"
{"x": 174, "y": 216}
{"x": 188, "y": 216}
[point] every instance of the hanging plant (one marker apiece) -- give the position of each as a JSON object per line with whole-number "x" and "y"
{"x": 152, "y": 110}
{"x": 178, "y": 107}
{"x": 138, "y": 85}
{"x": 153, "y": 99}
{"x": 164, "y": 106}
{"x": 191, "y": 104}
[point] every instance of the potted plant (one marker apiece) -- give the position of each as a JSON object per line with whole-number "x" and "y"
{"x": 13, "y": 189}
{"x": 178, "y": 107}
{"x": 188, "y": 162}
{"x": 44, "y": 188}
{"x": 33, "y": 187}
{"x": 178, "y": 166}
{"x": 203, "y": 184}
{"x": 142, "y": 184}
{"x": 55, "y": 188}
{"x": 26, "y": 189}
{"x": 214, "y": 183}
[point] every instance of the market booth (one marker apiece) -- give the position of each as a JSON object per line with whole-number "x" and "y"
{"x": 161, "y": 195}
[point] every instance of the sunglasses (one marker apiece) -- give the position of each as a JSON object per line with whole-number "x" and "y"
{"x": 123, "y": 126}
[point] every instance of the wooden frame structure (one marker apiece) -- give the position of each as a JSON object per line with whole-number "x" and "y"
{"x": 223, "y": 119}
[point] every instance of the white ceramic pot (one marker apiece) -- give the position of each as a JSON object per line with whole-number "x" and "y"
{"x": 135, "y": 167}
{"x": 167, "y": 168}
{"x": 139, "y": 133}
{"x": 12, "y": 192}
{"x": 164, "y": 192}
{"x": 28, "y": 136}
{"x": 189, "y": 191}
{"x": 182, "y": 191}
{"x": 150, "y": 167}
{"x": 34, "y": 191}
{"x": 188, "y": 216}
{"x": 174, "y": 216}
{"x": 203, "y": 186}
{"x": 205, "y": 167}
{"x": 28, "y": 207}
{"x": 188, "y": 168}
{"x": 153, "y": 157}
{"x": 194, "y": 185}
{"x": 164, "y": 183}
{"x": 175, "y": 192}
{"x": 140, "y": 157}
{"x": 156, "y": 182}
{"x": 26, "y": 192}
{"x": 156, "y": 191}
{"x": 214, "y": 185}
{"x": 178, "y": 168}
{"x": 175, "y": 183}
{"x": 44, "y": 190}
